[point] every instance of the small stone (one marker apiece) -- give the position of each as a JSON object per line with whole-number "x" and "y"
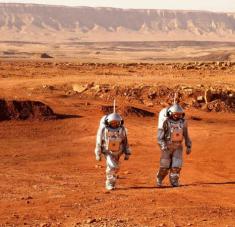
{"x": 200, "y": 99}
{"x": 45, "y": 225}
{"x": 45, "y": 55}
{"x": 79, "y": 88}
{"x": 90, "y": 220}
{"x": 161, "y": 225}
{"x": 149, "y": 104}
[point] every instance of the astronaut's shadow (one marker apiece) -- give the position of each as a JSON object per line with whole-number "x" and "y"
{"x": 182, "y": 185}
{"x": 143, "y": 187}
{"x": 209, "y": 183}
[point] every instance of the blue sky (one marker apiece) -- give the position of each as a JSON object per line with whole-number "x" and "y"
{"x": 211, "y": 5}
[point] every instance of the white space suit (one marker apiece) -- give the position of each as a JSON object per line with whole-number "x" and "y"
{"x": 172, "y": 130}
{"x": 111, "y": 141}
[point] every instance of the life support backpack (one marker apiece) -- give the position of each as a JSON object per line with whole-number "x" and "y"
{"x": 113, "y": 139}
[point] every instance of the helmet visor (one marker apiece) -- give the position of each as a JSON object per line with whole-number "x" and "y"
{"x": 114, "y": 124}
{"x": 177, "y": 116}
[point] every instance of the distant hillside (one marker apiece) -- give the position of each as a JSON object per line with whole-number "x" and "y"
{"x": 30, "y": 22}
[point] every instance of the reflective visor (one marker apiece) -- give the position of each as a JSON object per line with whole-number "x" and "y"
{"x": 177, "y": 115}
{"x": 114, "y": 124}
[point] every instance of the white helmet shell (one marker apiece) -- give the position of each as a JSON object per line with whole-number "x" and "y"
{"x": 175, "y": 108}
{"x": 114, "y": 117}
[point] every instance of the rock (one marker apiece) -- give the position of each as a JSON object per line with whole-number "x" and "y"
{"x": 79, "y": 88}
{"x": 152, "y": 95}
{"x": 69, "y": 93}
{"x": 126, "y": 172}
{"x": 90, "y": 220}
{"x": 189, "y": 67}
{"x": 25, "y": 110}
{"x": 188, "y": 91}
{"x": 161, "y": 225}
{"x": 90, "y": 85}
{"x": 45, "y": 224}
{"x": 149, "y": 104}
{"x": 49, "y": 87}
{"x": 96, "y": 88}
{"x": 45, "y": 55}
{"x": 200, "y": 99}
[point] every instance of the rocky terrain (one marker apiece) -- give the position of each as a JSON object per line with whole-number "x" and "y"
{"x": 49, "y": 114}
{"x": 24, "y": 110}
{"x": 60, "y": 70}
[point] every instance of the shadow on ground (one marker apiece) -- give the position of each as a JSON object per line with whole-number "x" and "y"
{"x": 183, "y": 185}
{"x": 66, "y": 116}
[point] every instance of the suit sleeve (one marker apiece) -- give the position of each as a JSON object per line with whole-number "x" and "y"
{"x": 99, "y": 137}
{"x": 161, "y": 136}
{"x": 188, "y": 142}
{"x": 126, "y": 147}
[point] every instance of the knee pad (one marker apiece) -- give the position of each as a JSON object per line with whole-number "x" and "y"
{"x": 165, "y": 163}
{"x": 176, "y": 162}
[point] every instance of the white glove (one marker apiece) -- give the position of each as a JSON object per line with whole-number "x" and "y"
{"x": 98, "y": 153}
{"x": 98, "y": 158}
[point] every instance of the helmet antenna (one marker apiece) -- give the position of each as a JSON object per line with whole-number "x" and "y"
{"x": 175, "y": 97}
{"x": 114, "y": 106}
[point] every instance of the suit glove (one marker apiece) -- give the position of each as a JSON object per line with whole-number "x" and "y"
{"x": 126, "y": 157}
{"x": 188, "y": 150}
{"x": 98, "y": 158}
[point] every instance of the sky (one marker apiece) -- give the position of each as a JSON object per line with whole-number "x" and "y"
{"x": 208, "y": 5}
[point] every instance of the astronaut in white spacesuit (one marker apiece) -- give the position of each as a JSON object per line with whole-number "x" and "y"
{"x": 111, "y": 141}
{"x": 172, "y": 130}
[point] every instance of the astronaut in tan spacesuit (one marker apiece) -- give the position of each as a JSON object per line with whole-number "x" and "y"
{"x": 172, "y": 130}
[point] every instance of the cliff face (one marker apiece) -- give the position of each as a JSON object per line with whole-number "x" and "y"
{"x": 60, "y": 23}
